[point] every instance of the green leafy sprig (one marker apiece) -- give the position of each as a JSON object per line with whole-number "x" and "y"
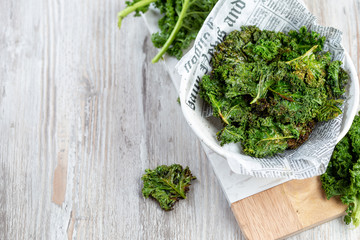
{"x": 181, "y": 21}
{"x": 342, "y": 176}
{"x": 167, "y": 184}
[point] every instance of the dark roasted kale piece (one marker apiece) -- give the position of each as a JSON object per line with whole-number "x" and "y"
{"x": 167, "y": 184}
{"x": 270, "y": 88}
{"x": 342, "y": 176}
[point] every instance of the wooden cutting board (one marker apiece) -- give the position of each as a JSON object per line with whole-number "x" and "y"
{"x": 286, "y": 209}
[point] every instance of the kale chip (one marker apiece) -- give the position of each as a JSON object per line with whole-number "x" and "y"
{"x": 167, "y": 184}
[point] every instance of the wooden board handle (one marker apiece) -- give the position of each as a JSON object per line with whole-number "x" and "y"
{"x": 285, "y": 210}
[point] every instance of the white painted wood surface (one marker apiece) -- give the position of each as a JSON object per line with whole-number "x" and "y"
{"x": 83, "y": 112}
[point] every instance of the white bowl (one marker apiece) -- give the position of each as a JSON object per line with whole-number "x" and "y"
{"x": 206, "y": 130}
{"x": 352, "y": 106}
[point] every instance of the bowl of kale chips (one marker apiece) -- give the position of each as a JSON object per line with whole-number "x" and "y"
{"x": 269, "y": 90}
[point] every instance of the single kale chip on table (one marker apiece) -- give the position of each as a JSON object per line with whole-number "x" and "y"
{"x": 270, "y": 88}
{"x": 167, "y": 184}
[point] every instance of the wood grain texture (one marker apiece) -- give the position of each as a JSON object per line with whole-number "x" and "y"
{"x": 290, "y": 208}
{"x": 83, "y": 112}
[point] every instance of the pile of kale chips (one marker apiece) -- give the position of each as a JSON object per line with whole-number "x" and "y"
{"x": 342, "y": 177}
{"x": 271, "y": 88}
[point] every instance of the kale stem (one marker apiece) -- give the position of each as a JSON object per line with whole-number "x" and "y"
{"x": 275, "y": 138}
{"x": 355, "y": 215}
{"x": 281, "y": 95}
{"x": 308, "y": 53}
{"x": 132, "y": 8}
{"x": 180, "y": 193}
{"x": 259, "y": 89}
{"x": 173, "y": 33}
{"x": 223, "y": 118}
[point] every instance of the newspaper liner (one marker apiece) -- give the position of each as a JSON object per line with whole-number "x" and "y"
{"x": 311, "y": 158}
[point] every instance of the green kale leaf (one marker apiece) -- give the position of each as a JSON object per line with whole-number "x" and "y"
{"x": 337, "y": 77}
{"x": 181, "y": 21}
{"x": 167, "y": 184}
{"x": 266, "y": 137}
{"x": 342, "y": 176}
